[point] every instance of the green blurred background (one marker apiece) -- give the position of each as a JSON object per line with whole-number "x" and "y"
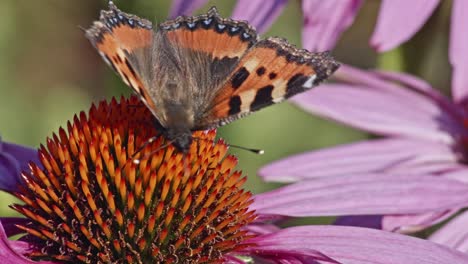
{"x": 49, "y": 72}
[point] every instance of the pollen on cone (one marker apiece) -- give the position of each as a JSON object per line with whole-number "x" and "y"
{"x": 93, "y": 203}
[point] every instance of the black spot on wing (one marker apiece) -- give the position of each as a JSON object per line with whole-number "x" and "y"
{"x": 107, "y": 59}
{"x": 130, "y": 68}
{"x": 272, "y": 75}
{"x": 234, "y": 105}
{"x": 260, "y": 71}
{"x": 262, "y": 98}
{"x": 295, "y": 84}
{"x": 239, "y": 77}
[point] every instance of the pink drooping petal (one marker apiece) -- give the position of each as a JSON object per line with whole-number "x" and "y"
{"x": 363, "y": 194}
{"x": 354, "y": 245}
{"x": 458, "y": 51}
{"x": 260, "y": 14}
{"x": 399, "y": 20}
{"x": 277, "y": 246}
{"x": 459, "y": 174}
{"x": 421, "y": 86}
{"x": 185, "y": 7}
{"x": 10, "y": 251}
{"x": 379, "y": 156}
{"x": 454, "y": 234}
{"x": 413, "y": 223}
{"x": 370, "y": 103}
{"x": 324, "y": 21}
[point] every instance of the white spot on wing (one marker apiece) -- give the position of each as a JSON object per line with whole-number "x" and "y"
{"x": 310, "y": 82}
{"x": 247, "y": 98}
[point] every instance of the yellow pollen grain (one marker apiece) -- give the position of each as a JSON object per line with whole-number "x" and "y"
{"x": 163, "y": 235}
{"x": 187, "y": 203}
{"x": 196, "y": 232}
{"x": 159, "y": 210}
{"x": 141, "y": 244}
{"x": 116, "y": 244}
{"x": 43, "y": 205}
{"x": 175, "y": 198}
{"x": 169, "y": 216}
{"x": 107, "y": 230}
{"x": 138, "y": 187}
{"x": 200, "y": 215}
{"x": 53, "y": 195}
{"x": 59, "y": 212}
{"x": 165, "y": 189}
{"x": 151, "y": 223}
{"x": 119, "y": 218}
{"x": 111, "y": 202}
{"x": 141, "y": 213}
{"x": 184, "y": 223}
{"x": 97, "y": 217}
{"x": 130, "y": 201}
{"x": 82, "y": 159}
{"x": 179, "y": 242}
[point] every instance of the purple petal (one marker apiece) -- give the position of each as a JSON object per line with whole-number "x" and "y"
{"x": 380, "y": 107}
{"x": 363, "y": 194}
{"x": 423, "y": 87}
{"x": 261, "y": 229}
{"x": 260, "y": 14}
{"x": 369, "y": 221}
{"x": 396, "y": 223}
{"x": 454, "y": 234}
{"x": 13, "y": 160}
{"x": 324, "y": 21}
{"x": 399, "y": 20}
{"x": 381, "y": 155}
{"x": 414, "y": 223}
{"x": 460, "y": 174}
{"x": 9, "y": 225}
{"x": 185, "y": 7}
{"x": 458, "y": 50}
{"x": 353, "y": 245}
{"x": 232, "y": 260}
{"x": 10, "y": 251}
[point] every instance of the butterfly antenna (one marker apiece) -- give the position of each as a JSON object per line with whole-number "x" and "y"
{"x": 149, "y": 141}
{"x": 253, "y": 150}
{"x": 137, "y": 161}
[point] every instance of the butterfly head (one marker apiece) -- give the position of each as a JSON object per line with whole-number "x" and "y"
{"x": 182, "y": 140}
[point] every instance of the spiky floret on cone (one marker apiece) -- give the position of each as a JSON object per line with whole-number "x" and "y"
{"x": 93, "y": 203}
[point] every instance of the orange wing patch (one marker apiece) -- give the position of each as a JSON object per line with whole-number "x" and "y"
{"x": 118, "y": 37}
{"x": 270, "y": 72}
{"x": 211, "y": 34}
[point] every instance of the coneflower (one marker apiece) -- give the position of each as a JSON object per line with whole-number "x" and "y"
{"x": 103, "y": 192}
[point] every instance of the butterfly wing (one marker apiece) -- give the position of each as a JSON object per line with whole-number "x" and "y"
{"x": 192, "y": 56}
{"x": 124, "y": 42}
{"x": 268, "y": 73}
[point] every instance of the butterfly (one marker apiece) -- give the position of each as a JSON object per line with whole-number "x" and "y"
{"x": 202, "y": 72}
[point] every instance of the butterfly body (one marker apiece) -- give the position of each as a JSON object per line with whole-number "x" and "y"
{"x": 201, "y": 72}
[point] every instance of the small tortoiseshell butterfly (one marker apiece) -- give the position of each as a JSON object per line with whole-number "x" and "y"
{"x": 202, "y": 72}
